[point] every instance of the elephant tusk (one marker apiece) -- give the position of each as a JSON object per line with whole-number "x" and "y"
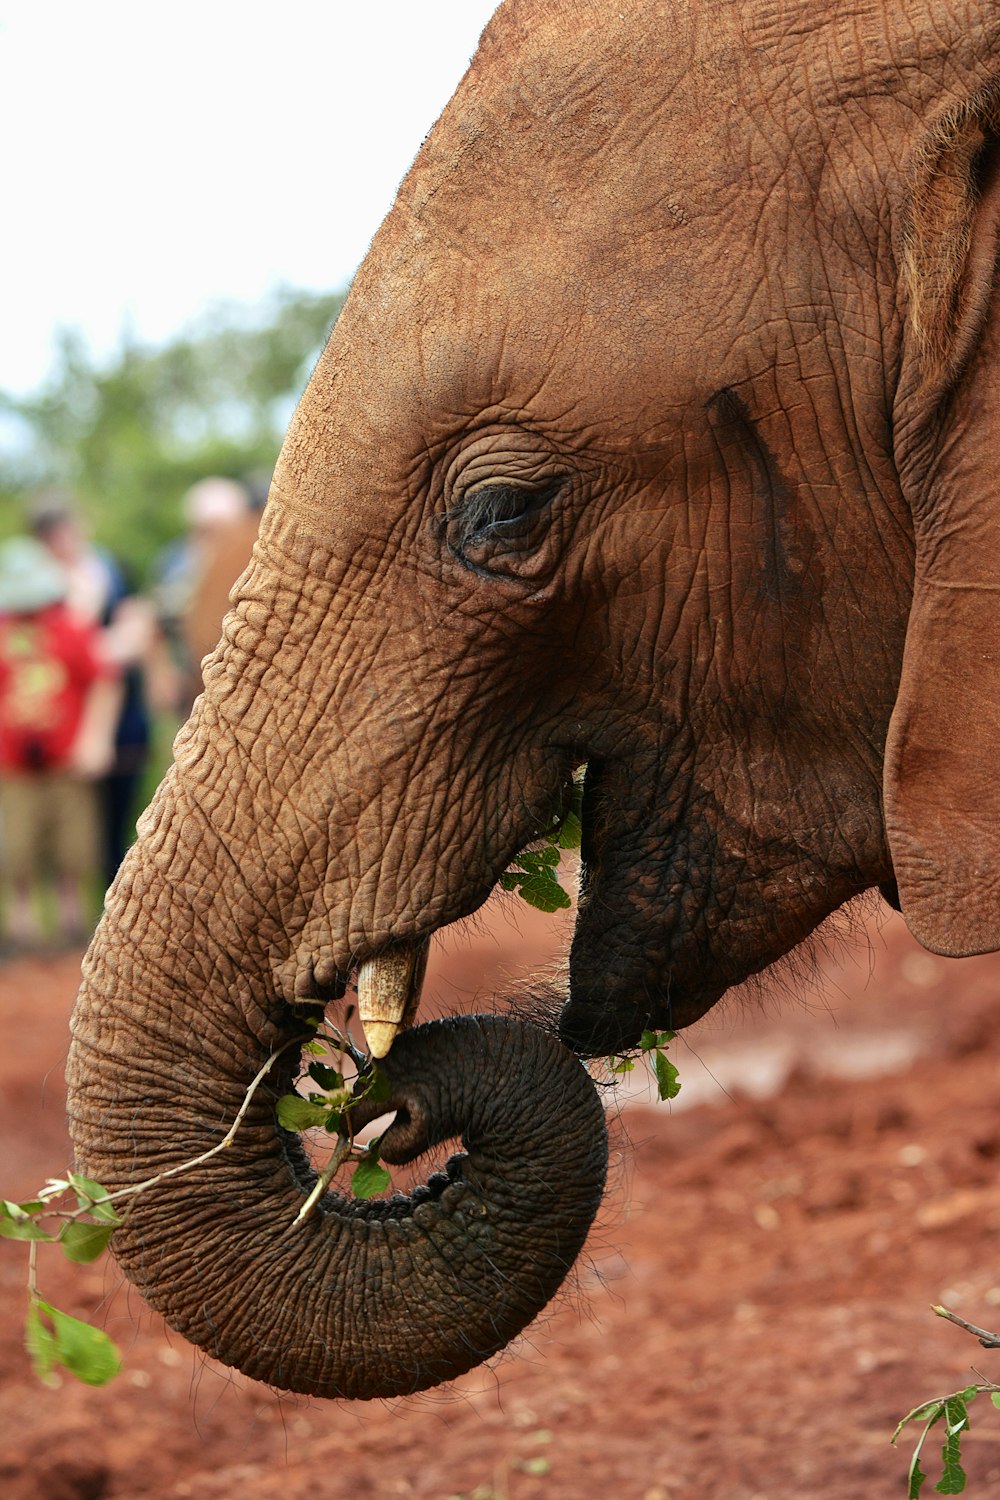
{"x": 389, "y": 993}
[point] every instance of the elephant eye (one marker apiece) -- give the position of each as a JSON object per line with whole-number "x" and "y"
{"x": 497, "y": 522}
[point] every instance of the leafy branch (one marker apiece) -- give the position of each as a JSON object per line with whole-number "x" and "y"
{"x": 653, "y": 1049}
{"x": 53, "y": 1337}
{"x": 953, "y": 1411}
{"x": 80, "y": 1216}
{"x": 328, "y": 1107}
{"x": 533, "y": 873}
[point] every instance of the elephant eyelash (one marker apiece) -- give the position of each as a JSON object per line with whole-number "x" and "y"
{"x": 494, "y": 513}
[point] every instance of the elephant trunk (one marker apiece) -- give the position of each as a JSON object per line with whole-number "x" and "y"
{"x": 362, "y": 1298}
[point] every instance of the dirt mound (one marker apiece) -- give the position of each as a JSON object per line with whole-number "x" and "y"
{"x": 751, "y": 1319}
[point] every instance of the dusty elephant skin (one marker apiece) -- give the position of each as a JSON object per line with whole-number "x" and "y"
{"x": 441, "y": 1279}
{"x": 659, "y": 432}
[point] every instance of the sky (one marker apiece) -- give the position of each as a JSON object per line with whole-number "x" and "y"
{"x": 163, "y": 157}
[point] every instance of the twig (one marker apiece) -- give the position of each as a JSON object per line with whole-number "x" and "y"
{"x": 341, "y": 1152}
{"x": 987, "y": 1339}
{"x": 227, "y": 1139}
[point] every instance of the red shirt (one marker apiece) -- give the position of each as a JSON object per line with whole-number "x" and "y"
{"x": 48, "y": 663}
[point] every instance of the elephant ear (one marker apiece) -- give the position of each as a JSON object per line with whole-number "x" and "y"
{"x": 942, "y": 769}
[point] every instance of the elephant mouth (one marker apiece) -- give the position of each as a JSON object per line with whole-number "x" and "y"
{"x": 624, "y": 979}
{"x": 389, "y": 984}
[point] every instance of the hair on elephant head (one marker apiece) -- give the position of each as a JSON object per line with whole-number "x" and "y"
{"x": 659, "y": 432}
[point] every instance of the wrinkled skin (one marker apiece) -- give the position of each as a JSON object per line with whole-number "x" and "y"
{"x": 363, "y": 1297}
{"x": 659, "y": 431}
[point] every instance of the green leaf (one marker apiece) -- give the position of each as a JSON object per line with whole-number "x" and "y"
{"x": 570, "y": 833}
{"x": 86, "y": 1187}
{"x": 956, "y": 1415}
{"x": 335, "y": 1103}
{"x": 296, "y": 1113}
{"x": 929, "y": 1412}
{"x": 649, "y": 1041}
{"x": 369, "y": 1178}
{"x": 315, "y": 1049}
{"x": 84, "y": 1351}
{"x": 22, "y": 1210}
{"x": 667, "y": 1082}
{"x": 40, "y": 1344}
{"x": 995, "y": 1398}
{"x": 325, "y": 1076}
{"x": 915, "y": 1478}
{"x": 373, "y": 1085}
{"x": 93, "y": 1197}
{"x": 17, "y": 1223}
{"x": 954, "y": 1479}
{"x": 25, "y": 1229}
{"x": 544, "y": 893}
{"x": 82, "y": 1242}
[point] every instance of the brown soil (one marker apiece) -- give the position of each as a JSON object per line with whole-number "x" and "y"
{"x": 750, "y": 1321}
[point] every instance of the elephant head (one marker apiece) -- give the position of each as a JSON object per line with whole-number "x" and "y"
{"x": 658, "y": 433}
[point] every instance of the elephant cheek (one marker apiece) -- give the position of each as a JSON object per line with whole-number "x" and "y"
{"x": 615, "y": 995}
{"x": 642, "y": 955}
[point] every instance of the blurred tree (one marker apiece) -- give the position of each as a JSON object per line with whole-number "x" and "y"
{"x": 128, "y": 436}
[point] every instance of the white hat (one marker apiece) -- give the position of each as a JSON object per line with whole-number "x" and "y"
{"x": 30, "y": 577}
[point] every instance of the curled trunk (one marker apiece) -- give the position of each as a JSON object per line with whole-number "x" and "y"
{"x": 362, "y": 1299}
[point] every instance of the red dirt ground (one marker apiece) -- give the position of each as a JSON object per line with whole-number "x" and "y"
{"x": 751, "y": 1318}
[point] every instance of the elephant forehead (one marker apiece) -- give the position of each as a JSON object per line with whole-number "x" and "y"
{"x": 634, "y": 118}
{"x": 637, "y": 190}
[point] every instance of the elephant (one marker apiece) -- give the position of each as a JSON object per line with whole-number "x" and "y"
{"x": 658, "y": 435}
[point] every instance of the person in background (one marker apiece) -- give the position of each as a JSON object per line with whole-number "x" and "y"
{"x": 224, "y": 559}
{"x": 215, "y": 510}
{"x": 93, "y": 576}
{"x": 58, "y": 703}
{"x": 99, "y": 593}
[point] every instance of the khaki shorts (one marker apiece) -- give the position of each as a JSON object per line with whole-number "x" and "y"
{"x": 48, "y": 825}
